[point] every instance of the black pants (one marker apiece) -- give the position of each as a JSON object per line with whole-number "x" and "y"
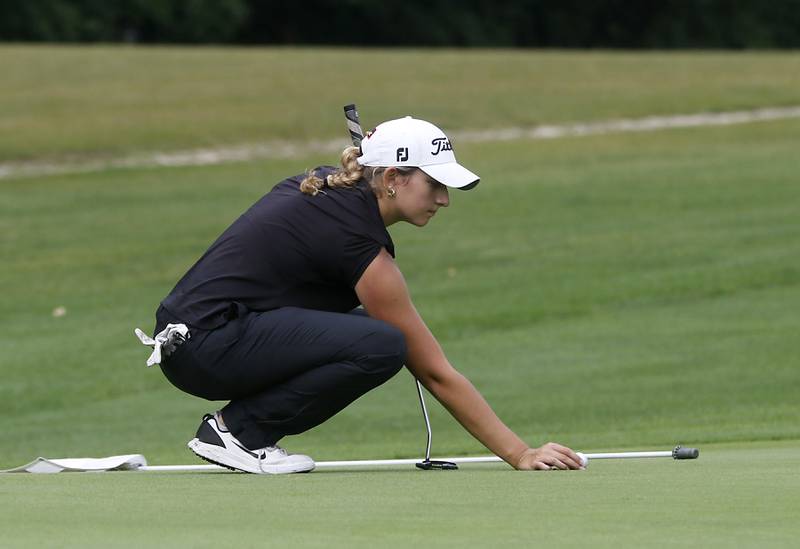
{"x": 284, "y": 371}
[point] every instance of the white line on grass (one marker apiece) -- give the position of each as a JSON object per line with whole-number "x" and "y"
{"x": 281, "y": 149}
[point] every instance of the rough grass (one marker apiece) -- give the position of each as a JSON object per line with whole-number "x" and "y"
{"x": 81, "y": 101}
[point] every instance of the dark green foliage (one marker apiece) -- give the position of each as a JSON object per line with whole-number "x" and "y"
{"x": 512, "y": 23}
{"x": 179, "y": 21}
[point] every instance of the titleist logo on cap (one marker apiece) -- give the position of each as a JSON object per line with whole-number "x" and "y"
{"x": 441, "y": 144}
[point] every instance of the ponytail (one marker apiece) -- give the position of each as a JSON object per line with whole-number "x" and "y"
{"x": 348, "y": 175}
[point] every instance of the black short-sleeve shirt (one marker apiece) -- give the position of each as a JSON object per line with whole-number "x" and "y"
{"x": 288, "y": 249}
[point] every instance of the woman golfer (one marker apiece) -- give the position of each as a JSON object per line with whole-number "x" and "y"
{"x": 267, "y": 318}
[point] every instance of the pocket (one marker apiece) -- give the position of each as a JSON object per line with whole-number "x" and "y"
{"x": 214, "y": 343}
{"x": 229, "y": 333}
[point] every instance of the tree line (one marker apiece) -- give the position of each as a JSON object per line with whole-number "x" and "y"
{"x": 459, "y": 23}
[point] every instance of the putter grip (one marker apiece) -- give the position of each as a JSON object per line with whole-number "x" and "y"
{"x": 353, "y": 125}
{"x": 685, "y": 453}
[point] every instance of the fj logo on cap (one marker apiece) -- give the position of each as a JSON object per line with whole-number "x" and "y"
{"x": 402, "y": 154}
{"x": 441, "y": 144}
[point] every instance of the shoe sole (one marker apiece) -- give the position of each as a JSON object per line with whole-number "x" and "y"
{"x": 216, "y": 455}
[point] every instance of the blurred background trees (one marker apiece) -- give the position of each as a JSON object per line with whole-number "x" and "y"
{"x": 464, "y": 23}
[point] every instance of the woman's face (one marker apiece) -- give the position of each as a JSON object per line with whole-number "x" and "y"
{"x": 419, "y": 197}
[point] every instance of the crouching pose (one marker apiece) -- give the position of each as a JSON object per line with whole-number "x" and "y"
{"x": 298, "y": 308}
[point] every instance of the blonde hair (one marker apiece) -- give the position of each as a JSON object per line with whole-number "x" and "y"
{"x": 349, "y": 175}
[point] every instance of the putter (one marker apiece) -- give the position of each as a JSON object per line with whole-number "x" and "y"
{"x": 429, "y": 464}
{"x": 356, "y": 136}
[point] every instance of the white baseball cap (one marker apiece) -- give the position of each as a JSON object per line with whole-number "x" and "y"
{"x": 415, "y": 143}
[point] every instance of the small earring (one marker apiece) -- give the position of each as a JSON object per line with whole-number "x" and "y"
{"x": 390, "y": 192}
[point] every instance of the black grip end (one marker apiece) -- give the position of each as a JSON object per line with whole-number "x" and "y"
{"x": 351, "y": 113}
{"x": 685, "y": 453}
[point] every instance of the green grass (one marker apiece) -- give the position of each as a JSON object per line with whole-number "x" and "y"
{"x": 609, "y": 292}
{"x": 734, "y": 496}
{"x": 616, "y": 290}
{"x": 82, "y": 101}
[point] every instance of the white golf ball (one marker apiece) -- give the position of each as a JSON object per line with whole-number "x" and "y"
{"x": 584, "y": 459}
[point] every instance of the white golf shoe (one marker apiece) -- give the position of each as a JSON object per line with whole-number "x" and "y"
{"x": 218, "y": 445}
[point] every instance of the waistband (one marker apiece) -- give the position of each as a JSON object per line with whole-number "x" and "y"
{"x": 164, "y": 316}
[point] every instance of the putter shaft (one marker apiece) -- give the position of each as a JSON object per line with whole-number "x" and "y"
{"x": 427, "y": 420}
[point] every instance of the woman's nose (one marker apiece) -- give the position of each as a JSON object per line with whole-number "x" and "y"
{"x": 443, "y": 197}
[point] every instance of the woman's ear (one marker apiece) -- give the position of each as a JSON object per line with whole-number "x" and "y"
{"x": 393, "y": 178}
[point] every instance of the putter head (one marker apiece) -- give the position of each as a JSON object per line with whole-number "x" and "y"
{"x": 428, "y": 464}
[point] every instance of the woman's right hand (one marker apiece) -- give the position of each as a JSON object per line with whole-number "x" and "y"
{"x": 547, "y": 457}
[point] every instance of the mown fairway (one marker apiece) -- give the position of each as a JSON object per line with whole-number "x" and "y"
{"x": 620, "y": 291}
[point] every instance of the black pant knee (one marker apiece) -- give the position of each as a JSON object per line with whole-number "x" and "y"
{"x": 384, "y": 350}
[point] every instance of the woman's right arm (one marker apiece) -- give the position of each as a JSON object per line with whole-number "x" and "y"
{"x": 383, "y": 292}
